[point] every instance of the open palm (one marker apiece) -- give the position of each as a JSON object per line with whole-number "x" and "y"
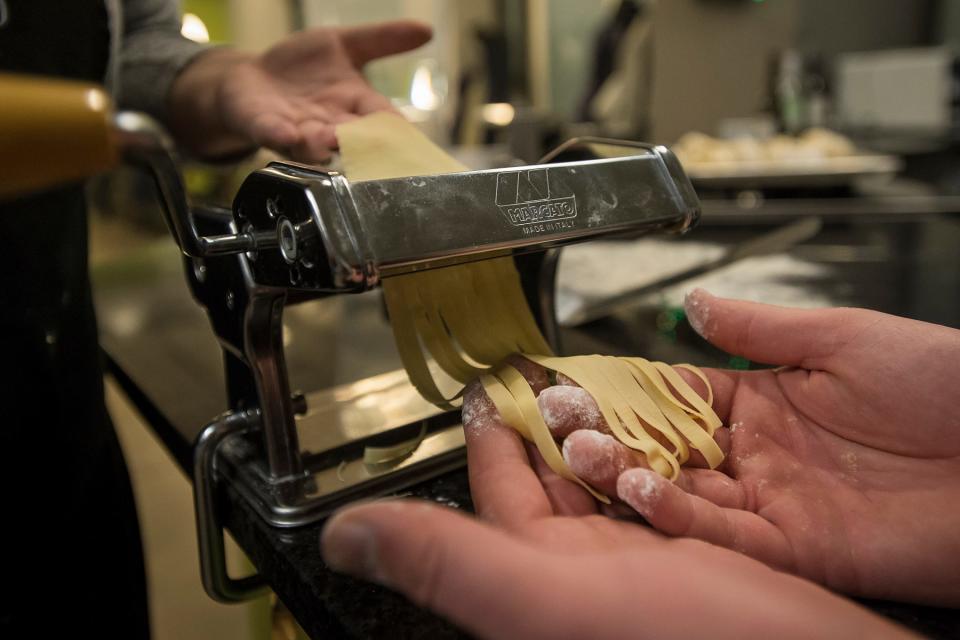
{"x": 546, "y": 564}
{"x": 845, "y": 461}
{"x": 291, "y": 97}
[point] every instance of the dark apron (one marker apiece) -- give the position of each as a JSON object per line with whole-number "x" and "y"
{"x": 73, "y": 564}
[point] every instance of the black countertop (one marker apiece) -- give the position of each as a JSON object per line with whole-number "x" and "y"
{"x": 163, "y": 353}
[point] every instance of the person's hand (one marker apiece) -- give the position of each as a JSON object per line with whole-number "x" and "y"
{"x": 291, "y": 97}
{"x": 844, "y": 464}
{"x": 553, "y": 568}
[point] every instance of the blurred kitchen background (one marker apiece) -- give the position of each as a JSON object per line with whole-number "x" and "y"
{"x": 822, "y": 138}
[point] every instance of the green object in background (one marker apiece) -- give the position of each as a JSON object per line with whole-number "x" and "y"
{"x": 201, "y": 182}
{"x": 738, "y": 362}
{"x": 215, "y": 15}
{"x": 668, "y": 319}
{"x": 667, "y": 322}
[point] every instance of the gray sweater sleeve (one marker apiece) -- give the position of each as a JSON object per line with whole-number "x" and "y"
{"x": 152, "y": 53}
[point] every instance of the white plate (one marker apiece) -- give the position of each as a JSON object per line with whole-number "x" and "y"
{"x": 833, "y": 171}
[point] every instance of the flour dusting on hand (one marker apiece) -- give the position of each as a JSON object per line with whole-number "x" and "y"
{"x": 640, "y": 489}
{"x": 696, "y": 305}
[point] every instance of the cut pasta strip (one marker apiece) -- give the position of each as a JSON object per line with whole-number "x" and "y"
{"x": 523, "y": 409}
{"x": 699, "y": 438}
{"x": 470, "y": 317}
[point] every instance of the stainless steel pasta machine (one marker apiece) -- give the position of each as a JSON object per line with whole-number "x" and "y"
{"x": 296, "y": 233}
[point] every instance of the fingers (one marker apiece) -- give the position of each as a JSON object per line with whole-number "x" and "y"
{"x": 369, "y": 42}
{"x": 568, "y": 409}
{"x": 600, "y": 459}
{"x": 766, "y": 333}
{"x": 274, "y": 131}
{"x": 308, "y": 139}
{"x": 505, "y": 489}
{"x": 723, "y": 382}
{"x": 696, "y": 460}
{"x": 317, "y": 140}
{"x": 371, "y": 102}
{"x": 566, "y": 498}
{"x": 675, "y": 512}
{"x": 534, "y": 374}
{"x": 472, "y": 574}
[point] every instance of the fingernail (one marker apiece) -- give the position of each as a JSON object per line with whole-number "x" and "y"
{"x": 349, "y": 545}
{"x": 640, "y": 489}
{"x": 696, "y": 304}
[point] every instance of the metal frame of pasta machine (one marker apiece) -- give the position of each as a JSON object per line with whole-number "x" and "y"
{"x": 297, "y": 233}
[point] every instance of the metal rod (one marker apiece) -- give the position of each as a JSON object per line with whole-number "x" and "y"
{"x": 213, "y": 560}
{"x": 263, "y": 338}
{"x": 145, "y": 144}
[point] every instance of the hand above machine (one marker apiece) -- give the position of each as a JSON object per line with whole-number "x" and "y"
{"x": 289, "y": 98}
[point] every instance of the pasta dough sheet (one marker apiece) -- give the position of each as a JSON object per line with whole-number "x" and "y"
{"x": 468, "y": 318}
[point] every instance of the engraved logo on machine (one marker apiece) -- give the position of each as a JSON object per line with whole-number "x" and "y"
{"x": 528, "y": 200}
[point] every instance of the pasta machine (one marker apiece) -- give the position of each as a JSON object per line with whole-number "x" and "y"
{"x": 296, "y": 233}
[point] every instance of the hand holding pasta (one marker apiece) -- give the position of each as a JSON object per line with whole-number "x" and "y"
{"x": 547, "y": 565}
{"x": 843, "y": 465}
{"x": 645, "y": 433}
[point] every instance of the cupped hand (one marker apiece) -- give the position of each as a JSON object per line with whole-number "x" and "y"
{"x": 844, "y": 463}
{"x": 547, "y": 565}
{"x": 291, "y": 97}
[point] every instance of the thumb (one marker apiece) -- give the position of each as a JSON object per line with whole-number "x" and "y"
{"x": 766, "y": 333}
{"x": 447, "y": 562}
{"x": 369, "y": 42}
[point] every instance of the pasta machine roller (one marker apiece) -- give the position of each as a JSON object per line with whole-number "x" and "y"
{"x": 296, "y": 233}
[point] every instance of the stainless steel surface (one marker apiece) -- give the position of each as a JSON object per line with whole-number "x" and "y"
{"x": 263, "y": 349}
{"x": 336, "y": 477}
{"x": 418, "y": 222}
{"x": 776, "y": 241}
{"x": 380, "y": 410}
{"x": 333, "y": 433}
{"x": 313, "y": 230}
{"x": 361, "y": 409}
{"x": 338, "y": 236}
{"x": 248, "y": 322}
{"x": 213, "y": 561}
